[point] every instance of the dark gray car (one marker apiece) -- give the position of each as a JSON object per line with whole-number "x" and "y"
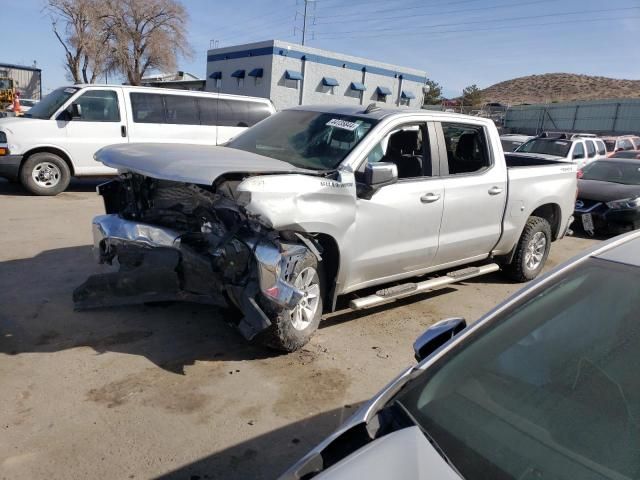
{"x": 545, "y": 386}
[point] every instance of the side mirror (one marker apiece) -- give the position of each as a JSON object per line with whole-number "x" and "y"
{"x": 379, "y": 174}
{"x": 436, "y": 336}
{"x": 75, "y": 111}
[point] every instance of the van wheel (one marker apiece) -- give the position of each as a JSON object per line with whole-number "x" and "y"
{"x": 45, "y": 174}
{"x": 532, "y": 250}
{"x": 291, "y": 329}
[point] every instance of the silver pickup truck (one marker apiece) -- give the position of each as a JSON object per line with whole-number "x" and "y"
{"x": 317, "y": 202}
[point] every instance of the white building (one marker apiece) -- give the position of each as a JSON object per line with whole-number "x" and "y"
{"x": 291, "y": 74}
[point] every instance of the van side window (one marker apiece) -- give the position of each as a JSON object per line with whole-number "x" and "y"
{"x": 232, "y": 113}
{"x": 258, "y": 111}
{"x": 591, "y": 149}
{"x": 466, "y": 148}
{"x": 99, "y": 106}
{"x": 147, "y": 107}
{"x": 208, "y": 110}
{"x": 181, "y": 110}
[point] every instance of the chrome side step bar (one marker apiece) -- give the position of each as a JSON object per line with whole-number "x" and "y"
{"x": 391, "y": 294}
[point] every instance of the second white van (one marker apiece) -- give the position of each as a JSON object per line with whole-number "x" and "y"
{"x": 58, "y": 137}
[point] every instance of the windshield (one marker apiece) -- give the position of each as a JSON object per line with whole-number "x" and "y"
{"x": 611, "y": 171}
{"x": 52, "y": 102}
{"x": 551, "y": 391}
{"x": 313, "y": 140}
{"x": 547, "y": 146}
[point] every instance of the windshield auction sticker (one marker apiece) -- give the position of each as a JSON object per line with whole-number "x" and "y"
{"x": 343, "y": 124}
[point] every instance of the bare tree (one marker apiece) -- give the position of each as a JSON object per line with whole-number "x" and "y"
{"x": 147, "y": 35}
{"x": 76, "y": 26}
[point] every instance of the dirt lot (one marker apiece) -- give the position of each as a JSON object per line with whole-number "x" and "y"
{"x": 172, "y": 391}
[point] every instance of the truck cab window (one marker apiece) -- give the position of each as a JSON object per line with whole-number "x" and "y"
{"x": 404, "y": 146}
{"x": 466, "y": 148}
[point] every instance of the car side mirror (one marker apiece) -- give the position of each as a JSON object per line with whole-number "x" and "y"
{"x": 436, "y": 336}
{"x": 75, "y": 111}
{"x": 379, "y": 174}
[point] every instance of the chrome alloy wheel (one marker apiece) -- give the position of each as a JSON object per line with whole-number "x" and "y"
{"x": 535, "y": 251}
{"x": 305, "y": 311}
{"x": 46, "y": 174}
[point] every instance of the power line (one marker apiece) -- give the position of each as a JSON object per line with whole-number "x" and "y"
{"x": 421, "y": 32}
{"x": 342, "y": 15}
{"x": 507, "y": 19}
{"x": 446, "y": 12}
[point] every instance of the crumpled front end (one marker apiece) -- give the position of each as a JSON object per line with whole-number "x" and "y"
{"x": 177, "y": 241}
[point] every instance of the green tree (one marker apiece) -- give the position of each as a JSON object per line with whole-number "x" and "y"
{"x": 471, "y": 96}
{"x": 433, "y": 92}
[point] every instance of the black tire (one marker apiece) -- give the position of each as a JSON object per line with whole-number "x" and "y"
{"x": 522, "y": 268}
{"x": 53, "y": 174}
{"x": 283, "y": 334}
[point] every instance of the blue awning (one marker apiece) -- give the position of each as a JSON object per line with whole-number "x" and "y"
{"x": 360, "y": 87}
{"x": 292, "y": 75}
{"x": 238, "y": 74}
{"x": 256, "y": 72}
{"x": 216, "y": 75}
{"x": 383, "y": 91}
{"x": 329, "y": 82}
{"x": 408, "y": 95}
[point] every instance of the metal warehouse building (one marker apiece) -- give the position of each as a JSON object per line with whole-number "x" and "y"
{"x": 616, "y": 116}
{"x": 28, "y": 80}
{"x": 291, "y": 74}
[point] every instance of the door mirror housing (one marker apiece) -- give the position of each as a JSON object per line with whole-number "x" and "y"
{"x": 379, "y": 174}
{"x": 75, "y": 111}
{"x": 437, "y": 335}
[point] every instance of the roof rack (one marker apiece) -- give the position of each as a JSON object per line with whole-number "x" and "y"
{"x": 372, "y": 108}
{"x": 556, "y": 135}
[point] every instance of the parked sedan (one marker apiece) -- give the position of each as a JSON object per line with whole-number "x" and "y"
{"x": 609, "y": 196}
{"x": 539, "y": 388}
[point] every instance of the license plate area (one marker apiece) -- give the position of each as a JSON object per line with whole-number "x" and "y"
{"x": 587, "y": 222}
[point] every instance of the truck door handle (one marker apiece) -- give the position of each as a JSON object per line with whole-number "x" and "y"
{"x": 430, "y": 198}
{"x": 495, "y": 191}
{"x": 123, "y": 130}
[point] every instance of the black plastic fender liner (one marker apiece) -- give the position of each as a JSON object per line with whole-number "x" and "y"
{"x": 254, "y": 319}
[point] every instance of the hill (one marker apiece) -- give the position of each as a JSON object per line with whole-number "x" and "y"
{"x": 560, "y": 87}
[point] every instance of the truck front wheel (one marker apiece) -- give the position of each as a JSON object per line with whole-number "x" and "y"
{"x": 45, "y": 174}
{"x": 293, "y": 328}
{"x": 532, "y": 250}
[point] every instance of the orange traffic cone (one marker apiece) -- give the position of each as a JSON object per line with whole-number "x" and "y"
{"x": 17, "y": 109}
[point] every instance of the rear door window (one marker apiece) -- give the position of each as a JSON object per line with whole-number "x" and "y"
{"x": 602, "y": 149}
{"x": 625, "y": 144}
{"x": 466, "y": 146}
{"x": 578, "y": 151}
{"x": 591, "y": 148}
{"x": 208, "y": 110}
{"x": 181, "y": 110}
{"x": 147, "y": 107}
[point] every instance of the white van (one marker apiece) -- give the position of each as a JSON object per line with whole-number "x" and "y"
{"x": 58, "y": 137}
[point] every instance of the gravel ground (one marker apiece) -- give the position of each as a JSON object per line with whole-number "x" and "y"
{"x": 173, "y": 391}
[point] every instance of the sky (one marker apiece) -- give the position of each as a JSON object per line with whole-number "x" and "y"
{"x": 456, "y": 42}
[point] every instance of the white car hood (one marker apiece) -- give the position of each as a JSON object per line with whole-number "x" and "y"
{"x": 402, "y": 454}
{"x": 200, "y": 164}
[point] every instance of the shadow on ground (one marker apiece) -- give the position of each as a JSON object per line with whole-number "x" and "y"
{"x": 266, "y": 456}
{"x": 36, "y": 315}
{"x": 76, "y": 185}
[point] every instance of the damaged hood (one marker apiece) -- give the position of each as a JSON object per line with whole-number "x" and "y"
{"x": 200, "y": 164}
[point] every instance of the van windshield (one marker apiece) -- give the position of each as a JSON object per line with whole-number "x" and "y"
{"x": 313, "y": 140}
{"x": 52, "y": 102}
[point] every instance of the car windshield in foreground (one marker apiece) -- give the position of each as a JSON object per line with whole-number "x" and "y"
{"x": 51, "y": 103}
{"x": 546, "y": 146}
{"x": 549, "y": 391}
{"x": 305, "y": 139}
{"x": 626, "y": 173}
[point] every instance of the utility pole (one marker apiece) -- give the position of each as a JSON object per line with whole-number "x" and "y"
{"x": 305, "y": 22}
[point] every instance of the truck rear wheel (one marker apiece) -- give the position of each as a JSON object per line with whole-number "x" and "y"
{"x": 45, "y": 174}
{"x": 532, "y": 250}
{"x": 293, "y": 328}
